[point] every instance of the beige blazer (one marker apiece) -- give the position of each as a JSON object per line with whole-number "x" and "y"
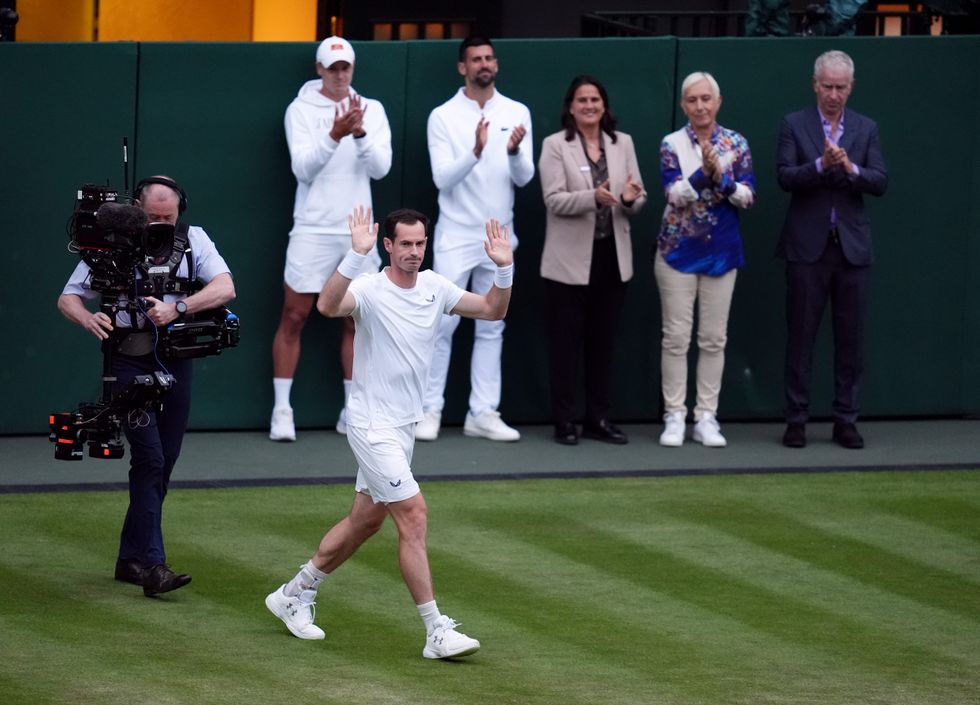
{"x": 569, "y": 197}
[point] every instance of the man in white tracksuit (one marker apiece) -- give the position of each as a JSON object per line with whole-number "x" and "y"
{"x": 480, "y": 147}
{"x": 338, "y": 141}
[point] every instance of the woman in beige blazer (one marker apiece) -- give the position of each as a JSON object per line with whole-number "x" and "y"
{"x": 591, "y": 183}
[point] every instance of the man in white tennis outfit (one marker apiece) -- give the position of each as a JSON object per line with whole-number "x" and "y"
{"x": 396, "y": 313}
{"x": 480, "y": 147}
{"x": 338, "y": 141}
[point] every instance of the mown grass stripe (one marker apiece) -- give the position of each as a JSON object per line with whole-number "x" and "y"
{"x": 740, "y": 664}
{"x": 949, "y": 636}
{"x": 881, "y": 568}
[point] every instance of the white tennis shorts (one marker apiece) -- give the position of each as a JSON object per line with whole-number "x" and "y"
{"x": 384, "y": 462}
{"x": 311, "y": 259}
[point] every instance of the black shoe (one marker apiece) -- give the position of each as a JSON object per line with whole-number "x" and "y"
{"x": 795, "y": 435}
{"x": 605, "y": 432}
{"x": 129, "y": 572}
{"x": 160, "y": 578}
{"x": 566, "y": 434}
{"x": 846, "y": 436}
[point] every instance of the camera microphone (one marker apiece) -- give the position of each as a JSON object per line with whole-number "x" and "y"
{"x": 117, "y": 217}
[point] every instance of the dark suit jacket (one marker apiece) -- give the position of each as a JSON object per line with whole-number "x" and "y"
{"x": 807, "y": 224}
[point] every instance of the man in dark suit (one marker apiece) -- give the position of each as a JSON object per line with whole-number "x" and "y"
{"x": 828, "y": 158}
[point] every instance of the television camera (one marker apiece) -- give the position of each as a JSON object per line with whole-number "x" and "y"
{"x": 129, "y": 259}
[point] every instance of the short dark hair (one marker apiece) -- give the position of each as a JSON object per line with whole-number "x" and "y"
{"x": 474, "y": 40}
{"x": 404, "y": 216}
{"x": 608, "y": 122}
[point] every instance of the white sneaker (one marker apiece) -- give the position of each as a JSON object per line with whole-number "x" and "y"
{"x": 428, "y": 428}
{"x": 341, "y": 426}
{"x": 282, "y": 428}
{"x": 673, "y": 435}
{"x": 295, "y": 612}
{"x": 708, "y": 432}
{"x": 445, "y": 642}
{"x": 489, "y": 425}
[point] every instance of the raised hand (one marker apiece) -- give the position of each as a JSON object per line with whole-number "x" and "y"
{"x": 497, "y": 244}
{"x": 603, "y": 196}
{"x": 349, "y": 120}
{"x": 363, "y": 233}
{"x": 709, "y": 162}
{"x": 482, "y": 129}
{"x": 516, "y": 135}
{"x": 632, "y": 190}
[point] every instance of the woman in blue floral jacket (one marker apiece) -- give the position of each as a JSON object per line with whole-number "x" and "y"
{"x": 706, "y": 171}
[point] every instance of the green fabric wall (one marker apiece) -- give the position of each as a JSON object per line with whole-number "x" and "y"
{"x": 211, "y": 116}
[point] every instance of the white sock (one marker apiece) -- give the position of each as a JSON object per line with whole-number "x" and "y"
{"x": 281, "y": 387}
{"x": 309, "y": 577}
{"x": 347, "y": 386}
{"x": 430, "y": 614}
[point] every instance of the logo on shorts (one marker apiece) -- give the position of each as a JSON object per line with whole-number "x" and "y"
{"x": 395, "y": 484}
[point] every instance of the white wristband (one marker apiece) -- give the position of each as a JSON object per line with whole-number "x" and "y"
{"x": 503, "y": 278}
{"x": 351, "y": 265}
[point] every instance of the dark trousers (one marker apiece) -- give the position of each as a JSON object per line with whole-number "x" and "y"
{"x": 154, "y": 439}
{"x": 809, "y": 287}
{"x": 584, "y": 320}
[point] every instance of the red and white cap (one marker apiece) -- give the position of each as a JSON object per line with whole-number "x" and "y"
{"x": 334, "y": 49}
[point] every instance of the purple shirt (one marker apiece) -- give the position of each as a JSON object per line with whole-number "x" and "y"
{"x": 834, "y": 139}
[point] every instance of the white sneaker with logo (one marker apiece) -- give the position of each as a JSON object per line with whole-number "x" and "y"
{"x": 674, "y": 428}
{"x": 708, "y": 432}
{"x": 341, "y": 426}
{"x": 489, "y": 425}
{"x": 282, "y": 428}
{"x": 428, "y": 428}
{"x": 296, "y": 612}
{"x": 445, "y": 642}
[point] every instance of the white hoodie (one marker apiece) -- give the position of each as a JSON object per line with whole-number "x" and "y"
{"x": 332, "y": 178}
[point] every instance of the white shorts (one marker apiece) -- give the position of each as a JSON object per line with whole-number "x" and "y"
{"x": 384, "y": 462}
{"x": 311, "y": 259}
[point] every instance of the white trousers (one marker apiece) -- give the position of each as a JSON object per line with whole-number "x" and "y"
{"x": 678, "y": 292}
{"x": 465, "y": 262}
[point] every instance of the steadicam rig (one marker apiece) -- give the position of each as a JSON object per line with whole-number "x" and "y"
{"x": 129, "y": 259}
{"x": 100, "y": 423}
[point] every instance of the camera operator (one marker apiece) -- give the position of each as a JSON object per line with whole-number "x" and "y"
{"x": 154, "y": 436}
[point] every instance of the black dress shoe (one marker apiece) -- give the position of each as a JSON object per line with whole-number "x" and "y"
{"x": 605, "y": 432}
{"x": 566, "y": 434}
{"x": 160, "y": 578}
{"x": 846, "y": 435}
{"x": 795, "y": 436}
{"x": 129, "y": 572}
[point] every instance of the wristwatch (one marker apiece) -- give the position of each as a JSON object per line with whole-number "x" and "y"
{"x": 181, "y": 308}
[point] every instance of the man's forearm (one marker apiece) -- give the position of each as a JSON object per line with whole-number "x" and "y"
{"x": 73, "y": 308}
{"x": 332, "y": 296}
{"x": 217, "y": 292}
{"x": 498, "y": 301}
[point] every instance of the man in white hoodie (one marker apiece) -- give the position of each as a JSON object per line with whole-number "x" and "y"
{"x": 338, "y": 141}
{"x": 480, "y": 147}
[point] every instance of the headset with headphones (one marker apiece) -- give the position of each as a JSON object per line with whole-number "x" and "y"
{"x": 163, "y": 181}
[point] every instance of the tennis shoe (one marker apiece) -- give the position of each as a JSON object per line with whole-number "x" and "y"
{"x": 282, "y": 428}
{"x": 297, "y": 613}
{"x": 674, "y": 428}
{"x": 445, "y": 642}
{"x": 428, "y": 428}
{"x": 489, "y": 425}
{"x": 708, "y": 433}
